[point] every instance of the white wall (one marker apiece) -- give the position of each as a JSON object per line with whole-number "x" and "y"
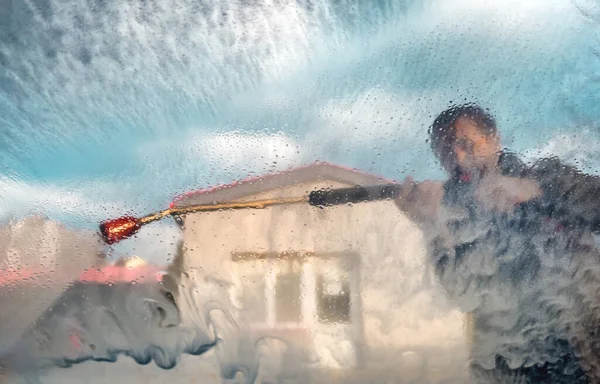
{"x": 406, "y": 316}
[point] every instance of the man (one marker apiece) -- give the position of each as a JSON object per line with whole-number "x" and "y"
{"x": 513, "y": 245}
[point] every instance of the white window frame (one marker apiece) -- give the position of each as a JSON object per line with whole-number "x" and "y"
{"x": 308, "y": 296}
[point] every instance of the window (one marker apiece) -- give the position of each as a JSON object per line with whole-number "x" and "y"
{"x": 294, "y": 289}
{"x": 333, "y": 295}
{"x": 288, "y": 297}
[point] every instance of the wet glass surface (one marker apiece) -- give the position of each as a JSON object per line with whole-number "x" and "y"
{"x": 126, "y": 109}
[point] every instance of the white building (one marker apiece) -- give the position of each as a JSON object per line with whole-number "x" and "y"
{"x": 39, "y": 258}
{"x": 348, "y": 285}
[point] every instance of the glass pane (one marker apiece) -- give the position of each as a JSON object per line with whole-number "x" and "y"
{"x": 288, "y": 298}
{"x": 254, "y": 299}
{"x": 333, "y": 300}
{"x": 419, "y": 179}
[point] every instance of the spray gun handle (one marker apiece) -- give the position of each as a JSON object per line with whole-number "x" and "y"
{"x": 358, "y": 194}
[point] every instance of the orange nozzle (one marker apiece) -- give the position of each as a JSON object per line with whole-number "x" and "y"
{"x": 118, "y": 229}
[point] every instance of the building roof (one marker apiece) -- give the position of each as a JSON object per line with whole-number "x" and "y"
{"x": 33, "y": 276}
{"x": 316, "y": 171}
{"x": 107, "y": 274}
{"x": 122, "y": 274}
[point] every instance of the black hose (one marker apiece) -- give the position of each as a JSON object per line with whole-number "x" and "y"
{"x": 358, "y": 194}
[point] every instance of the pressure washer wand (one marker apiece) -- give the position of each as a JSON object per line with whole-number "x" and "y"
{"x": 115, "y": 230}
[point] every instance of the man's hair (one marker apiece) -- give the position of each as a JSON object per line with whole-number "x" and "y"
{"x": 443, "y": 130}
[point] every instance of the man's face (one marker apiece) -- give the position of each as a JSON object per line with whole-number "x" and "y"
{"x": 472, "y": 149}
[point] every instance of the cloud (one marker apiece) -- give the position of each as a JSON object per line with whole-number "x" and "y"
{"x": 21, "y": 197}
{"x": 231, "y": 154}
{"x": 246, "y": 151}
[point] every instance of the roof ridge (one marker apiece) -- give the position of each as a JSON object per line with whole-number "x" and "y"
{"x": 266, "y": 176}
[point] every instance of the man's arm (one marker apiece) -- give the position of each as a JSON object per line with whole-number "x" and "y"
{"x": 421, "y": 201}
{"x": 571, "y": 195}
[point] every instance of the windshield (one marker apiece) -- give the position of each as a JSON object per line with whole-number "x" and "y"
{"x": 139, "y": 110}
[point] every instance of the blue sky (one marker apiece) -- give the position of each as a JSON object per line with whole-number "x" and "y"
{"x": 109, "y": 109}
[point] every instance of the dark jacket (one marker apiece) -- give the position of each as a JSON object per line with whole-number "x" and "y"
{"x": 520, "y": 273}
{"x": 569, "y": 196}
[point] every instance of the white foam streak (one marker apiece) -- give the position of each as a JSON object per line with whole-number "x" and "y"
{"x": 581, "y": 149}
{"x": 197, "y": 49}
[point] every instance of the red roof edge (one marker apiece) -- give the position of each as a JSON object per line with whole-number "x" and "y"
{"x": 31, "y": 275}
{"x": 123, "y": 274}
{"x": 105, "y": 275}
{"x": 251, "y": 179}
